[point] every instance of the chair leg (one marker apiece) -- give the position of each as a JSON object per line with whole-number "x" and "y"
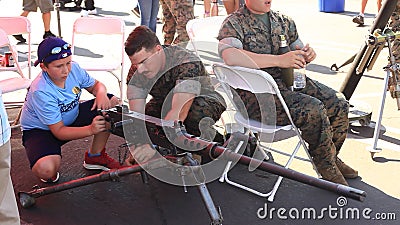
{"x": 264, "y": 149}
{"x": 16, "y": 123}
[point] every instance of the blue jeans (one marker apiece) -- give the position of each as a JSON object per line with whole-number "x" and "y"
{"x": 148, "y": 13}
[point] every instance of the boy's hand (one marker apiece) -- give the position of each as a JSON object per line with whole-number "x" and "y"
{"x": 98, "y": 125}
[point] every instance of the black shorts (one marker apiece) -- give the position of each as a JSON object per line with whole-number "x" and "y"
{"x": 39, "y": 143}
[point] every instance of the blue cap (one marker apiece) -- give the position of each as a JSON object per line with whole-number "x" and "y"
{"x": 46, "y": 46}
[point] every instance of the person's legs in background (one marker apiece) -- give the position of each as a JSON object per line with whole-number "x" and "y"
{"x": 169, "y": 26}
{"x": 207, "y": 8}
{"x": 8, "y": 206}
{"x": 359, "y": 19}
{"x": 89, "y": 8}
{"x": 148, "y": 13}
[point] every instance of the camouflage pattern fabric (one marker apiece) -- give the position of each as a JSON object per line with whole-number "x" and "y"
{"x": 182, "y": 65}
{"x": 318, "y": 111}
{"x": 176, "y": 14}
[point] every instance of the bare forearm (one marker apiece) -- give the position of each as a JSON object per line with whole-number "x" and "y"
{"x": 72, "y": 133}
{"x": 240, "y": 57}
{"x": 99, "y": 89}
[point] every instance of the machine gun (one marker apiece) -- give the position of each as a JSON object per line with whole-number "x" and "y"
{"x": 180, "y": 144}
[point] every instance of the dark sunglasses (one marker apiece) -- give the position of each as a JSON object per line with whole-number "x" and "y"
{"x": 57, "y": 50}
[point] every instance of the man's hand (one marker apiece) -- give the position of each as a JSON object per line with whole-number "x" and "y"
{"x": 310, "y": 54}
{"x": 294, "y": 59}
{"x": 143, "y": 153}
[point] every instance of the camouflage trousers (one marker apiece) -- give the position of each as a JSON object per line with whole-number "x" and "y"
{"x": 203, "y": 114}
{"x": 318, "y": 111}
{"x": 176, "y": 15}
{"x": 394, "y": 23}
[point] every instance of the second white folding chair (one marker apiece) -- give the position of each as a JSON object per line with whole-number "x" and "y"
{"x": 13, "y": 83}
{"x": 203, "y": 34}
{"x": 109, "y": 55}
{"x": 256, "y": 81}
{"x": 13, "y": 26}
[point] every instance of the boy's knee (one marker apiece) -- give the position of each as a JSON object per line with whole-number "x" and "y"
{"x": 46, "y": 167}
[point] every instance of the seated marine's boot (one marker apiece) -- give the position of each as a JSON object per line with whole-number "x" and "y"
{"x": 333, "y": 174}
{"x": 346, "y": 170}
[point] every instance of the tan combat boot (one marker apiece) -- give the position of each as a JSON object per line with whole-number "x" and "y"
{"x": 346, "y": 170}
{"x": 333, "y": 174}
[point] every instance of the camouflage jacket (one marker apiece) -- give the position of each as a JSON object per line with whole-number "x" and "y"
{"x": 256, "y": 36}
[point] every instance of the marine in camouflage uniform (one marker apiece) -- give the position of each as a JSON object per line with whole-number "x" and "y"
{"x": 183, "y": 72}
{"x": 318, "y": 111}
{"x": 176, "y": 14}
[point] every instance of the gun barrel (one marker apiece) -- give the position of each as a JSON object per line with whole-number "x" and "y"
{"x": 291, "y": 174}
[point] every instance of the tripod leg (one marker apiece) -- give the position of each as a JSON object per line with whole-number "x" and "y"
{"x": 215, "y": 215}
{"x": 377, "y": 129}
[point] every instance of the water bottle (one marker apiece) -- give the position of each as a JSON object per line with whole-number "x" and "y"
{"x": 286, "y": 73}
{"x": 299, "y": 79}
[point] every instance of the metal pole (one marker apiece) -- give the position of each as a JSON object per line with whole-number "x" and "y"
{"x": 57, "y": 6}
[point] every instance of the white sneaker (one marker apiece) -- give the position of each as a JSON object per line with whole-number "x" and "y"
{"x": 92, "y": 12}
{"x": 84, "y": 13}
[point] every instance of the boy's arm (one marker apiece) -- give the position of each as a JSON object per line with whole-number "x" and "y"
{"x": 62, "y": 132}
{"x": 99, "y": 90}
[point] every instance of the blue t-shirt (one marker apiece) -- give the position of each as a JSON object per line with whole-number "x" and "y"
{"x": 48, "y": 104}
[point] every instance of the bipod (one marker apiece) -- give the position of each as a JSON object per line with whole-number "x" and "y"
{"x": 392, "y": 77}
{"x": 334, "y": 67}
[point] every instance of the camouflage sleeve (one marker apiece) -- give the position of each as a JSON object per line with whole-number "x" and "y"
{"x": 229, "y": 42}
{"x": 297, "y": 43}
{"x": 230, "y": 35}
{"x": 188, "y": 77}
{"x": 231, "y": 27}
{"x": 133, "y": 91}
{"x": 132, "y": 71}
{"x": 187, "y": 86}
{"x": 292, "y": 31}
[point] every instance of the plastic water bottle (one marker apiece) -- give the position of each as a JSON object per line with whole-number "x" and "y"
{"x": 299, "y": 79}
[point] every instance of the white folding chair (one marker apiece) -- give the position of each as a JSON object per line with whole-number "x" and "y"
{"x": 203, "y": 34}
{"x": 110, "y": 31}
{"x": 13, "y": 83}
{"x": 204, "y": 29}
{"x": 12, "y": 26}
{"x": 256, "y": 81}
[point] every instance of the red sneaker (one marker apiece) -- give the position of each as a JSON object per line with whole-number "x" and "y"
{"x": 101, "y": 162}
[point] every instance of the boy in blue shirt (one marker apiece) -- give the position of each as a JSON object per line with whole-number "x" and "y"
{"x": 52, "y": 114}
